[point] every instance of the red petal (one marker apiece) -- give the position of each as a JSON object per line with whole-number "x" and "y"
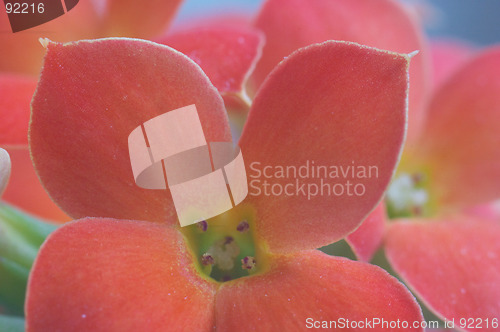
{"x": 452, "y": 265}
{"x": 91, "y": 95}
{"x": 367, "y": 238}
{"x": 447, "y": 57}
{"x": 117, "y": 275}
{"x": 313, "y": 286}
{"x": 227, "y": 54}
{"x": 460, "y": 146}
{"x": 385, "y": 24}
{"x": 132, "y": 18}
{"x": 25, "y": 190}
{"x": 334, "y": 104}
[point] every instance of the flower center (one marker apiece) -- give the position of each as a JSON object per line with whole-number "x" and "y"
{"x": 225, "y": 246}
{"x": 407, "y": 196}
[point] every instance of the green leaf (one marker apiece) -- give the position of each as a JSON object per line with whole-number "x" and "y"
{"x": 11, "y": 324}
{"x": 21, "y": 236}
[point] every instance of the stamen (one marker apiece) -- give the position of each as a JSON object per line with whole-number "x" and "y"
{"x": 248, "y": 263}
{"x": 207, "y": 259}
{"x": 202, "y": 225}
{"x": 243, "y": 227}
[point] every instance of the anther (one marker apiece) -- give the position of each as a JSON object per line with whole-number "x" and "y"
{"x": 248, "y": 263}
{"x": 207, "y": 259}
{"x": 243, "y": 226}
{"x": 202, "y": 225}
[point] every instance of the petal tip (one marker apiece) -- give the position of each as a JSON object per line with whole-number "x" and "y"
{"x": 412, "y": 54}
{"x": 45, "y": 42}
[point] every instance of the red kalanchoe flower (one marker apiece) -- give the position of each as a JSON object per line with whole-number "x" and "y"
{"x": 129, "y": 266}
{"x": 452, "y": 168}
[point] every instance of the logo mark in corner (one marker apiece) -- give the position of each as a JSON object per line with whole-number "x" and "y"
{"x": 26, "y": 14}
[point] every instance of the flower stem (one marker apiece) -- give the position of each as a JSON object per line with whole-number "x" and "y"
{"x": 21, "y": 236}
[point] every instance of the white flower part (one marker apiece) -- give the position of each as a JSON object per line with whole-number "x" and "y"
{"x": 4, "y": 169}
{"x": 403, "y": 194}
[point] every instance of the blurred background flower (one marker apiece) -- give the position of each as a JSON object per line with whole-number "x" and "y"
{"x": 472, "y": 21}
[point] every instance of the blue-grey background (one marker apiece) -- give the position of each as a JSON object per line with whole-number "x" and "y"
{"x": 477, "y": 21}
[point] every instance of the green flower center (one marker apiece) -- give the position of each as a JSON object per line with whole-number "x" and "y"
{"x": 407, "y": 196}
{"x": 225, "y": 246}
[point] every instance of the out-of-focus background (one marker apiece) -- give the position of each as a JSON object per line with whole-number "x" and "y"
{"x": 476, "y": 21}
